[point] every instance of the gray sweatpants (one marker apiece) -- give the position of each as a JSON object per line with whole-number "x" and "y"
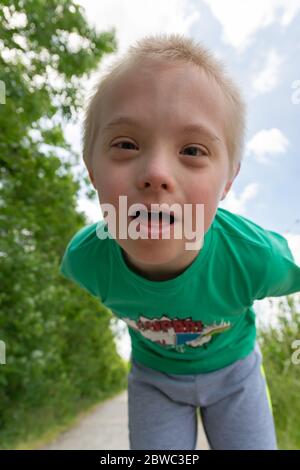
{"x": 234, "y": 403}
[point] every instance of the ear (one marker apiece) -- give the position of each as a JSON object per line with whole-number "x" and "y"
{"x": 229, "y": 183}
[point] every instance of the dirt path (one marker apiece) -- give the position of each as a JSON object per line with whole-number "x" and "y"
{"x": 105, "y": 428}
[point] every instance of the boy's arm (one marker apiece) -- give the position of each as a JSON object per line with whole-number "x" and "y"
{"x": 84, "y": 262}
{"x": 74, "y": 270}
{"x": 282, "y": 274}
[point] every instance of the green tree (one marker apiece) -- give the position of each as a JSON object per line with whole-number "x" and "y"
{"x": 59, "y": 345}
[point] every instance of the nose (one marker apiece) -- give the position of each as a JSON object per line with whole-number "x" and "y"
{"x": 156, "y": 173}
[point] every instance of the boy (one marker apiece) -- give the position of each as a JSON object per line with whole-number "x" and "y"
{"x": 166, "y": 127}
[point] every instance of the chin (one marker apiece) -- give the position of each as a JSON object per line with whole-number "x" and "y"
{"x": 153, "y": 254}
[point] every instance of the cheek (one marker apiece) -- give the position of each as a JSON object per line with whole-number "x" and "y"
{"x": 212, "y": 185}
{"x": 204, "y": 190}
{"x": 110, "y": 184}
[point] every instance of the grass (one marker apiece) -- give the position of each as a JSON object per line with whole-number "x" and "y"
{"x": 282, "y": 373}
{"x": 39, "y": 427}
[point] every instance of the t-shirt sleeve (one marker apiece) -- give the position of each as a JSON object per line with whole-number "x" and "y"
{"x": 82, "y": 263}
{"x": 282, "y": 274}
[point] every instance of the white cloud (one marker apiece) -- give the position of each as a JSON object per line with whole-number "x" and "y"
{"x": 91, "y": 209}
{"x": 294, "y": 244}
{"x": 240, "y": 21}
{"x": 267, "y": 79}
{"x": 236, "y": 204}
{"x": 290, "y": 10}
{"x": 139, "y": 18}
{"x": 266, "y": 144}
{"x": 134, "y": 19}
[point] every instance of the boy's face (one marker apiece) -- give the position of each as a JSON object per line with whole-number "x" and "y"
{"x": 155, "y": 161}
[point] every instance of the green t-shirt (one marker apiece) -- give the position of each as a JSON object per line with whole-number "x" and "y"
{"x": 201, "y": 320}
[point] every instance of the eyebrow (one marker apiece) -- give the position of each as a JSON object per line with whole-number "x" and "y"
{"x": 193, "y": 127}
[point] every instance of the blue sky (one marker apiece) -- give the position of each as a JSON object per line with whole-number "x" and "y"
{"x": 266, "y": 67}
{"x": 260, "y": 45}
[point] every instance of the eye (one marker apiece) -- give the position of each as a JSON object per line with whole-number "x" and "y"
{"x": 126, "y": 142}
{"x": 201, "y": 149}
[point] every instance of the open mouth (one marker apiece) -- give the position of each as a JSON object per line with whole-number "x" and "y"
{"x": 154, "y": 217}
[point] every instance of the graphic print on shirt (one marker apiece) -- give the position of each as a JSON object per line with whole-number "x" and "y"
{"x": 177, "y": 333}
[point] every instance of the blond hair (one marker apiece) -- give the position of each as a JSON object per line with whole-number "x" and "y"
{"x": 176, "y": 48}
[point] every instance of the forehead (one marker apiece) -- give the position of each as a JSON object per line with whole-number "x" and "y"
{"x": 165, "y": 94}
